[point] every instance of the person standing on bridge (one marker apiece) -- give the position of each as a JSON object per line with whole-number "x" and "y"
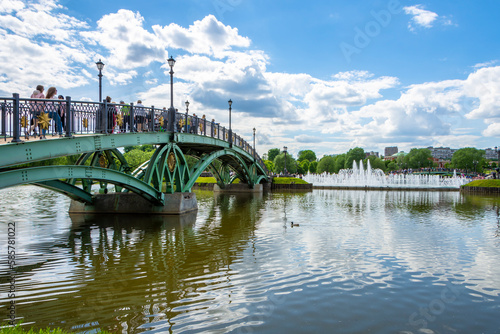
{"x": 140, "y": 116}
{"x": 36, "y": 107}
{"x": 51, "y": 110}
{"x": 62, "y": 110}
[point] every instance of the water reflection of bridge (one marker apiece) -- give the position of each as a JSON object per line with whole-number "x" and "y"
{"x": 124, "y": 272}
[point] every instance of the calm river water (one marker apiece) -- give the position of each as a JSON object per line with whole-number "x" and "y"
{"x": 360, "y": 262}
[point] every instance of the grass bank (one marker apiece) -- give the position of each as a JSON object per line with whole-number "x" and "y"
{"x": 21, "y": 330}
{"x": 288, "y": 180}
{"x": 484, "y": 183}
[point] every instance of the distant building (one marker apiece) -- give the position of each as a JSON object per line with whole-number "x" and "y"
{"x": 443, "y": 153}
{"x": 491, "y": 154}
{"x": 390, "y": 151}
{"x": 371, "y": 153}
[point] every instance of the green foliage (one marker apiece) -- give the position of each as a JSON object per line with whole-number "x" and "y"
{"x": 377, "y": 163}
{"x": 144, "y": 148}
{"x": 391, "y": 166}
{"x": 326, "y": 164}
{"x": 68, "y": 160}
{"x": 279, "y": 163}
{"x": 495, "y": 183}
{"x": 22, "y": 330}
{"x": 136, "y": 157}
{"x": 354, "y": 154}
{"x": 339, "y": 162}
{"x": 418, "y": 158}
{"x": 273, "y": 153}
{"x": 313, "y": 167}
{"x": 269, "y": 165}
{"x": 307, "y": 155}
{"x": 464, "y": 158}
{"x": 288, "y": 180}
{"x": 304, "y": 166}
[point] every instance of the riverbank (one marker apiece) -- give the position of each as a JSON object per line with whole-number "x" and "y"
{"x": 482, "y": 187}
{"x": 277, "y": 183}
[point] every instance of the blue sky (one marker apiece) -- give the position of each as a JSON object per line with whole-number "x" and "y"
{"x": 326, "y": 76}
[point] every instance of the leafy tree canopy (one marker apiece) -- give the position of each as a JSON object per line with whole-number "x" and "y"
{"x": 307, "y": 155}
{"x": 419, "y": 158}
{"x": 354, "y": 154}
{"x": 326, "y": 164}
{"x": 279, "y": 164}
{"x": 468, "y": 158}
{"x": 272, "y": 153}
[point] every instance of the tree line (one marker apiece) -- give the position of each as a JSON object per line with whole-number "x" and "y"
{"x": 467, "y": 159}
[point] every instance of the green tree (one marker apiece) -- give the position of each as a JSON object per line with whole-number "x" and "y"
{"x": 313, "y": 167}
{"x": 269, "y": 165}
{"x": 464, "y": 158}
{"x": 304, "y": 164}
{"x": 307, "y": 155}
{"x": 392, "y": 166}
{"x": 279, "y": 164}
{"x": 376, "y": 163}
{"x": 339, "y": 162}
{"x": 354, "y": 154}
{"x": 418, "y": 158}
{"x": 326, "y": 164}
{"x": 273, "y": 153}
{"x": 136, "y": 157}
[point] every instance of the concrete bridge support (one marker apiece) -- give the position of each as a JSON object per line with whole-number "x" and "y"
{"x": 132, "y": 203}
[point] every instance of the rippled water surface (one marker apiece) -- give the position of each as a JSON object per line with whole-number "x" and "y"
{"x": 360, "y": 262}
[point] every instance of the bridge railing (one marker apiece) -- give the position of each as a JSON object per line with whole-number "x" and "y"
{"x": 25, "y": 117}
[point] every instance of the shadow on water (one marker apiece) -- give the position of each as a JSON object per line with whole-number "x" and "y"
{"x": 135, "y": 272}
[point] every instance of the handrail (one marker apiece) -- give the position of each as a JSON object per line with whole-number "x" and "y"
{"x": 21, "y": 117}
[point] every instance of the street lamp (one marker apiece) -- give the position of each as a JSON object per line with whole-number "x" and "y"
{"x": 100, "y": 66}
{"x": 171, "y": 110}
{"x": 475, "y": 164}
{"x": 230, "y": 132}
{"x": 186, "y": 120}
{"x": 284, "y": 149}
{"x": 171, "y": 63}
{"x": 253, "y": 143}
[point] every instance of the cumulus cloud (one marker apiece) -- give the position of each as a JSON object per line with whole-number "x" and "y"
{"x": 420, "y": 17}
{"x": 207, "y": 36}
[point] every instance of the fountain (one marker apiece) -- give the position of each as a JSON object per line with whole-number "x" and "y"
{"x": 358, "y": 177}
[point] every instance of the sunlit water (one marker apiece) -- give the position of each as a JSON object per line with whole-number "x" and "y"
{"x": 360, "y": 262}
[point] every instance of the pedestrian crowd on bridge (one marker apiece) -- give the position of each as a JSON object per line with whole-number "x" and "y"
{"x": 118, "y": 117}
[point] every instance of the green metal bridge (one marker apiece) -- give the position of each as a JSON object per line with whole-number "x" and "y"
{"x": 96, "y": 132}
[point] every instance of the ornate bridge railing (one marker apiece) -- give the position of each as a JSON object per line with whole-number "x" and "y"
{"x": 21, "y": 118}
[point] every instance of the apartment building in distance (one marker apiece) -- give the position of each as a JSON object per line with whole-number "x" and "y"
{"x": 388, "y": 151}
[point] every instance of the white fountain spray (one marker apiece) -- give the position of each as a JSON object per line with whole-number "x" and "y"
{"x": 359, "y": 177}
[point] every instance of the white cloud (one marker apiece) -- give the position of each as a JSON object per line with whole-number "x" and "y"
{"x": 207, "y": 36}
{"x": 420, "y": 17}
{"x": 129, "y": 44}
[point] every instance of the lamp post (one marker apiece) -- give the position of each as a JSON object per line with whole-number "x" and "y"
{"x": 284, "y": 149}
{"x": 230, "y": 131}
{"x": 100, "y": 66}
{"x": 186, "y": 120}
{"x": 171, "y": 110}
{"x": 475, "y": 165}
{"x": 254, "y": 144}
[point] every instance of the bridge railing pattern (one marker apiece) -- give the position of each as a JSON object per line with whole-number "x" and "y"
{"x": 23, "y": 117}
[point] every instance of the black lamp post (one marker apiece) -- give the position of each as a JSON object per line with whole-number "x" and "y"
{"x": 253, "y": 143}
{"x": 171, "y": 110}
{"x": 171, "y": 63}
{"x": 100, "y": 66}
{"x": 284, "y": 149}
{"x": 186, "y": 120}
{"x": 230, "y": 131}
{"x": 475, "y": 165}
